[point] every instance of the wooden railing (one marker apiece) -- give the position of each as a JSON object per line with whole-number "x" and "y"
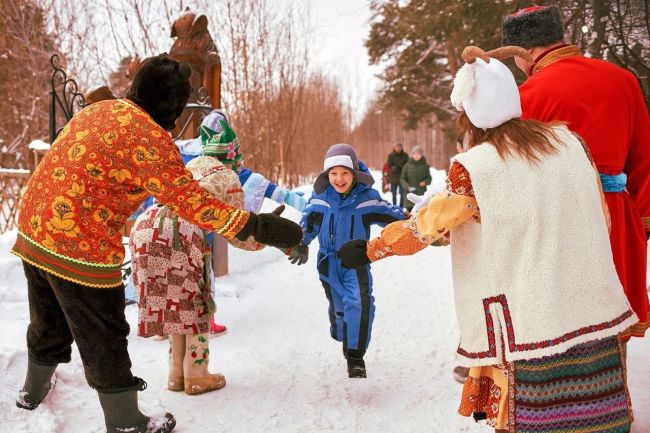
{"x": 12, "y": 184}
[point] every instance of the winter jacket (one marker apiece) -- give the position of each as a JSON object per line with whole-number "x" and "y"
{"x": 337, "y": 220}
{"x": 396, "y": 162}
{"x": 413, "y": 173}
{"x": 102, "y": 166}
{"x": 257, "y": 187}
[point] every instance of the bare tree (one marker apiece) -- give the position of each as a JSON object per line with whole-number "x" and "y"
{"x": 25, "y": 48}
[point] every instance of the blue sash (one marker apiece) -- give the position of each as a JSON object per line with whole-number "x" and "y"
{"x": 613, "y": 182}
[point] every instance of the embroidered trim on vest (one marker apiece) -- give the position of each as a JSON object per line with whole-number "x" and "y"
{"x": 523, "y": 347}
{"x": 554, "y": 55}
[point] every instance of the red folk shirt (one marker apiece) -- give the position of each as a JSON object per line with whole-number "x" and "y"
{"x": 102, "y": 166}
{"x": 603, "y": 103}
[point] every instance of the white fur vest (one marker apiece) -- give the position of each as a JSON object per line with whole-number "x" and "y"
{"x": 537, "y": 272}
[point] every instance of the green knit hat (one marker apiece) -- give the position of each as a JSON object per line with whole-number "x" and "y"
{"x": 219, "y": 140}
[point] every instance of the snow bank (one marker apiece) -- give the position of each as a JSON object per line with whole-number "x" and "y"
{"x": 285, "y": 374}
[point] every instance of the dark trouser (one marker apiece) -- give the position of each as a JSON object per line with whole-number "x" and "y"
{"x": 351, "y": 303}
{"x": 62, "y": 311}
{"x": 393, "y": 190}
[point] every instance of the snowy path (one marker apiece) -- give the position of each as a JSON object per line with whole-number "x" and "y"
{"x": 284, "y": 372}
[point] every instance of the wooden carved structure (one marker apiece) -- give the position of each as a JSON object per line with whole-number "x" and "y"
{"x": 195, "y": 46}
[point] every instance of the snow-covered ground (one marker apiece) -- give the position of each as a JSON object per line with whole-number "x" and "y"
{"x": 284, "y": 372}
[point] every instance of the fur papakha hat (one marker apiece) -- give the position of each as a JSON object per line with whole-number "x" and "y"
{"x": 536, "y": 26}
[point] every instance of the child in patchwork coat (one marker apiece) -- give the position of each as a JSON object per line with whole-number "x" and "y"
{"x": 342, "y": 208}
{"x": 172, "y": 274}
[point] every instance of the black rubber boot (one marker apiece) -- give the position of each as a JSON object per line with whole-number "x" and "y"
{"x": 121, "y": 412}
{"x": 356, "y": 365}
{"x": 38, "y": 383}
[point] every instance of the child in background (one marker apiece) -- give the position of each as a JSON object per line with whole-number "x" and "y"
{"x": 342, "y": 208}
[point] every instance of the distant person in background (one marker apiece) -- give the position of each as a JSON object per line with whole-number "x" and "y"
{"x": 415, "y": 175}
{"x": 396, "y": 161}
{"x": 604, "y": 104}
{"x": 385, "y": 181}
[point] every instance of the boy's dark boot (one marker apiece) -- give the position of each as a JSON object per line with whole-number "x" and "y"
{"x": 356, "y": 365}
{"x": 121, "y": 412}
{"x": 38, "y": 383}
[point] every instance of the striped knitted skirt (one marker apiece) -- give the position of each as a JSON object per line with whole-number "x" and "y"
{"x": 582, "y": 390}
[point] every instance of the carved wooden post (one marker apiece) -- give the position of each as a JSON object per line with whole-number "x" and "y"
{"x": 195, "y": 46}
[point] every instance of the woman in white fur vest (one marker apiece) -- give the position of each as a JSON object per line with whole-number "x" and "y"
{"x": 538, "y": 300}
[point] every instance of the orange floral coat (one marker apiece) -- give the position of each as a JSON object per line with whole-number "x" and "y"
{"x": 102, "y": 166}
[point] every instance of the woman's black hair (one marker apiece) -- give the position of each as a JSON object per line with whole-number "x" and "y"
{"x": 161, "y": 87}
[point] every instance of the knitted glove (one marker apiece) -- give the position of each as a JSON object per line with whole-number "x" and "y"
{"x": 271, "y": 229}
{"x": 298, "y": 255}
{"x": 354, "y": 254}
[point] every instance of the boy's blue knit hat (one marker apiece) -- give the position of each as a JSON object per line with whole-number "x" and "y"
{"x": 341, "y": 155}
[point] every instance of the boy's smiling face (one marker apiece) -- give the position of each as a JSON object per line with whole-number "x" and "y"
{"x": 341, "y": 178}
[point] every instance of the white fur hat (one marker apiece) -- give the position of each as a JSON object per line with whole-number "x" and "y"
{"x": 487, "y": 92}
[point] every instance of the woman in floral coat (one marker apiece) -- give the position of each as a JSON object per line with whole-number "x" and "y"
{"x": 171, "y": 271}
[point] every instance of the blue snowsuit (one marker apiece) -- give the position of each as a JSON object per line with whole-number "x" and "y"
{"x": 337, "y": 220}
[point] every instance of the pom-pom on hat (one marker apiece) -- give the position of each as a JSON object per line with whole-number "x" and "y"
{"x": 485, "y": 88}
{"x": 341, "y": 155}
{"x": 219, "y": 140}
{"x": 536, "y": 26}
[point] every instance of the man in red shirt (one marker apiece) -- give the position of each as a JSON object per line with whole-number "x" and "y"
{"x": 603, "y": 103}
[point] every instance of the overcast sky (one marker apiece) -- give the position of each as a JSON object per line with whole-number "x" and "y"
{"x": 340, "y": 29}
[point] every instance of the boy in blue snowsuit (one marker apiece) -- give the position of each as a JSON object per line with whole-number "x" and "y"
{"x": 342, "y": 208}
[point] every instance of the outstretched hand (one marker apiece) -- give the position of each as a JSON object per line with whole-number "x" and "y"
{"x": 271, "y": 229}
{"x": 421, "y": 201}
{"x": 354, "y": 254}
{"x": 299, "y": 255}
